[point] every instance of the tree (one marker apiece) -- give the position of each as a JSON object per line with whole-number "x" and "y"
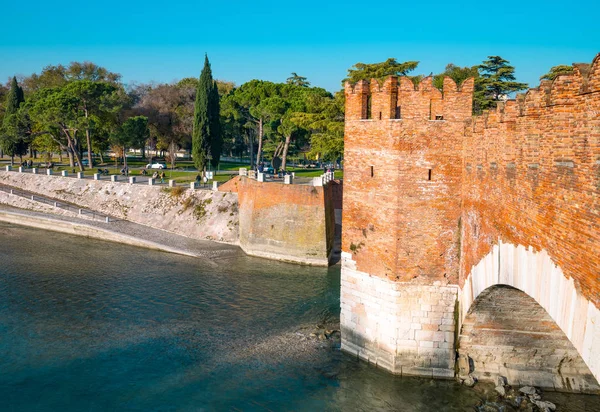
{"x": 456, "y": 73}
{"x": 379, "y": 71}
{"x": 97, "y": 101}
{"x": 56, "y": 112}
{"x": 133, "y": 133}
{"x": 496, "y": 81}
{"x": 206, "y": 131}
{"x": 297, "y": 80}
{"x": 12, "y": 140}
{"x": 557, "y": 71}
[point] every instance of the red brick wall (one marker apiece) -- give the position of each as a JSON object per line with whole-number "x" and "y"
{"x": 397, "y": 222}
{"x": 528, "y": 173}
{"x": 531, "y": 176}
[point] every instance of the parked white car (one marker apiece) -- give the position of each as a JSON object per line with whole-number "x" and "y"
{"x": 156, "y": 166}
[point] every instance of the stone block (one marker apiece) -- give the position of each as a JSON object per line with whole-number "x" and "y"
{"x": 34, "y": 171}
{"x": 193, "y": 185}
{"x": 260, "y": 177}
{"x": 132, "y": 180}
{"x": 8, "y": 168}
{"x": 243, "y": 171}
{"x": 80, "y": 175}
{"x": 172, "y": 183}
{"x": 114, "y": 178}
{"x": 215, "y": 186}
{"x": 151, "y": 181}
{"x": 49, "y": 172}
{"x": 96, "y": 176}
{"x": 20, "y": 169}
{"x": 288, "y": 179}
{"x": 64, "y": 173}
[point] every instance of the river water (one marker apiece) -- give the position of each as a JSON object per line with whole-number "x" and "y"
{"x": 91, "y": 325}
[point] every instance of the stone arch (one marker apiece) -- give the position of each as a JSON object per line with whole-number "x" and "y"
{"x": 535, "y": 274}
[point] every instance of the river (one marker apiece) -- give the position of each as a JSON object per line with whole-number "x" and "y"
{"x": 91, "y": 325}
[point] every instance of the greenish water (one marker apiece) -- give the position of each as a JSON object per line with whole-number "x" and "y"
{"x": 87, "y": 325}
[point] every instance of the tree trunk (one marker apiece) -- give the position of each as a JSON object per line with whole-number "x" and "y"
{"x": 70, "y": 154}
{"x": 260, "y": 137}
{"x": 12, "y": 160}
{"x": 251, "y": 141}
{"x": 101, "y": 157}
{"x": 60, "y": 156}
{"x": 72, "y": 143}
{"x": 88, "y": 138}
{"x": 286, "y": 146}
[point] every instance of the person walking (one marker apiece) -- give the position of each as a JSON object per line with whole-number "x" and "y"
{"x": 162, "y": 177}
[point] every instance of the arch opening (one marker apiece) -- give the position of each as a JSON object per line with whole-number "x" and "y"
{"x": 507, "y": 333}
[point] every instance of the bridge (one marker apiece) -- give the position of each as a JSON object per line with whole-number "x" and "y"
{"x": 471, "y": 244}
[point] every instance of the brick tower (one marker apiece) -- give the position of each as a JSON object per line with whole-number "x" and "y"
{"x": 401, "y": 219}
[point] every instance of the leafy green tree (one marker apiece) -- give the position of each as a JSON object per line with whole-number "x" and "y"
{"x": 12, "y": 140}
{"x": 206, "y": 130}
{"x": 133, "y": 133}
{"x": 98, "y": 102}
{"x": 297, "y": 80}
{"x": 56, "y": 112}
{"x": 379, "y": 71}
{"x": 557, "y": 71}
{"x": 496, "y": 81}
{"x": 456, "y": 73}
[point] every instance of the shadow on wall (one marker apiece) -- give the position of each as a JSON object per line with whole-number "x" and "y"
{"x": 507, "y": 333}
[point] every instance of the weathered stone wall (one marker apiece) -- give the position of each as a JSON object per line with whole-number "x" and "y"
{"x": 406, "y": 328}
{"x": 286, "y": 222}
{"x": 199, "y": 214}
{"x": 535, "y": 274}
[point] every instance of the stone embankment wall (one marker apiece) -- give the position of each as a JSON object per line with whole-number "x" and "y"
{"x": 199, "y": 214}
{"x": 431, "y": 192}
{"x": 285, "y": 222}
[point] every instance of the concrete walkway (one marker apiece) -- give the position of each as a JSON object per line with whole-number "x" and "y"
{"x": 121, "y": 231}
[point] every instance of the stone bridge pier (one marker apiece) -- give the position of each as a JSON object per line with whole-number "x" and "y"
{"x": 471, "y": 244}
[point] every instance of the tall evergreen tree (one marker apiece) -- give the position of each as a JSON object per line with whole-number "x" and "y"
{"x": 216, "y": 144}
{"x": 206, "y": 138}
{"x": 11, "y": 139}
{"x": 496, "y": 81}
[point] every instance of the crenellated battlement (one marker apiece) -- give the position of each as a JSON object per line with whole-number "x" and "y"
{"x": 398, "y": 98}
{"x": 564, "y": 90}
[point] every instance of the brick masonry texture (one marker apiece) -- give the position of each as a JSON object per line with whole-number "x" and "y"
{"x": 286, "y": 222}
{"x": 430, "y": 190}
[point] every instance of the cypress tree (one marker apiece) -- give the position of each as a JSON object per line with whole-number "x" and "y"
{"x": 14, "y": 98}
{"x": 10, "y": 141}
{"x": 217, "y": 139}
{"x": 206, "y": 132}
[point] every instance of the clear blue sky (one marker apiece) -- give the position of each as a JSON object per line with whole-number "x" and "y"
{"x": 166, "y": 40}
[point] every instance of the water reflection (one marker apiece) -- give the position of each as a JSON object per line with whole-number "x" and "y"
{"x": 90, "y": 325}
